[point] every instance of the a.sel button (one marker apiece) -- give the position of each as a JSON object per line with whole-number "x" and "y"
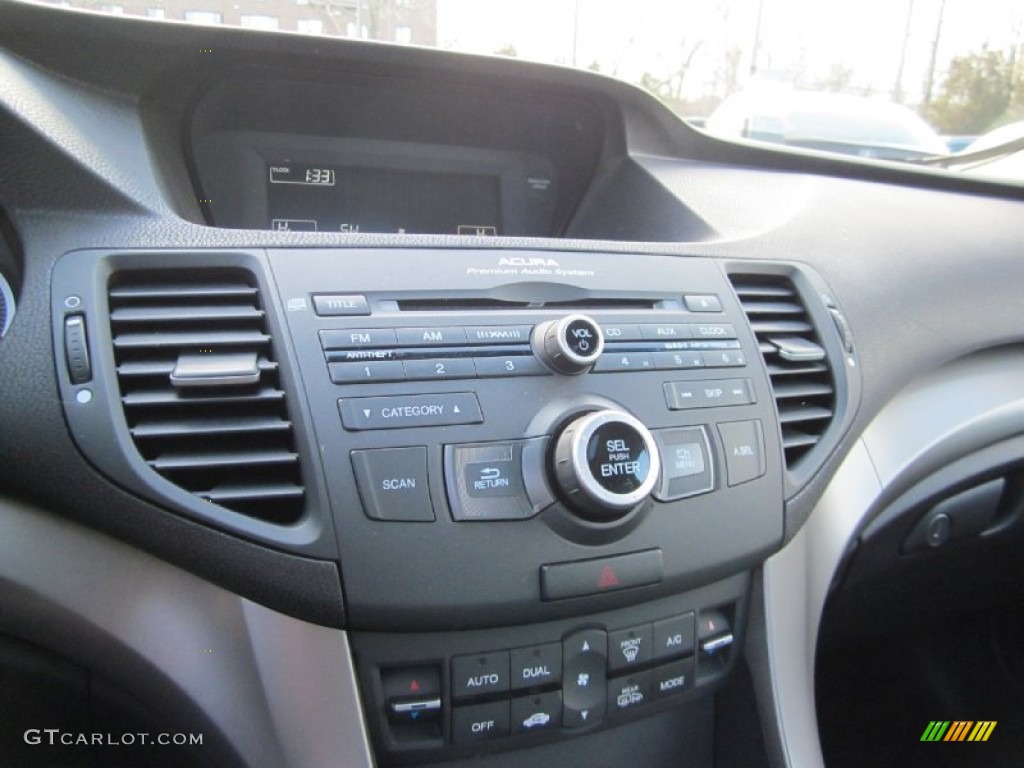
{"x": 480, "y": 722}
{"x": 392, "y": 483}
{"x": 744, "y": 450}
{"x": 479, "y": 673}
{"x": 405, "y": 411}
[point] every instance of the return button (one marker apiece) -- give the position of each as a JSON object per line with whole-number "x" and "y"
{"x": 405, "y": 411}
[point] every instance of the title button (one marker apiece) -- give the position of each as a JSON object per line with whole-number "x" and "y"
{"x": 340, "y": 304}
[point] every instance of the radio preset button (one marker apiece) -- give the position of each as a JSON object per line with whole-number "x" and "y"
{"x": 627, "y": 361}
{"x": 370, "y": 371}
{"x": 440, "y": 368}
{"x": 513, "y": 365}
{"x": 724, "y": 359}
{"x": 665, "y": 361}
{"x": 357, "y": 338}
{"x": 406, "y": 411}
{"x": 430, "y": 337}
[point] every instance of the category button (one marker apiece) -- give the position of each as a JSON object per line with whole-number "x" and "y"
{"x": 537, "y": 666}
{"x": 479, "y": 674}
{"x": 480, "y": 722}
{"x": 340, "y": 304}
{"x": 406, "y": 411}
{"x": 393, "y": 483}
{"x": 743, "y": 443}
{"x": 429, "y": 337}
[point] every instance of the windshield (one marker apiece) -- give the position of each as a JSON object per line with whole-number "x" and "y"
{"x": 889, "y": 79}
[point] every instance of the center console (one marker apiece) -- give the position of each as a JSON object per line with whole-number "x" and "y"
{"x": 546, "y": 472}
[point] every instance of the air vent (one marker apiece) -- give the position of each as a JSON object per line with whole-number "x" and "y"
{"x": 802, "y": 382}
{"x": 201, "y": 390}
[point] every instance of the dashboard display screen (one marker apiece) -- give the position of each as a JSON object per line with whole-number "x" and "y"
{"x": 323, "y": 198}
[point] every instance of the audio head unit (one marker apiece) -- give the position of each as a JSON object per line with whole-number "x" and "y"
{"x": 517, "y": 437}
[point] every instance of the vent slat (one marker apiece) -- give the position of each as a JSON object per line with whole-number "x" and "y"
{"x": 804, "y": 390}
{"x": 789, "y": 390}
{"x": 186, "y": 314}
{"x": 161, "y": 397}
{"x": 780, "y": 326}
{"x": 173, "y": 338}
{"x": 226, "y": 494}
{"x": 165, "y": 367}
{"x": 200, "y": 427}
{"x": 124, "y": 293}
{"x": 791, "y": 414}
{"x": 206, "y": 461}
{"x": 233, "y": 447}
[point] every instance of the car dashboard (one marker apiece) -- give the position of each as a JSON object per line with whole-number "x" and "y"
{"x": 369, "y": 405}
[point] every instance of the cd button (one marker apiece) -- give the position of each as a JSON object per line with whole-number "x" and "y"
{"x": 621, "y": 332}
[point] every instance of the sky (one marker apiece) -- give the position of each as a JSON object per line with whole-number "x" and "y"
{"x": 810, "y": 37}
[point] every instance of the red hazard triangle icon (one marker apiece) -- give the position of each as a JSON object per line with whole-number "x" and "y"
{"x": 608, "y": 578}
{"x": 414, "y": 686}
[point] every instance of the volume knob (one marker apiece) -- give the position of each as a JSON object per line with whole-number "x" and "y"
{"x": 569, "y": 345}
{"x": 606, "y": 462}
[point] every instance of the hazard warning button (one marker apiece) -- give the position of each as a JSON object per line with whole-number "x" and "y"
{"x": 602, "y": 574}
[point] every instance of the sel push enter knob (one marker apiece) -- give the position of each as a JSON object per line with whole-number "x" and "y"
{"x": 606, "y": 462}
{"x": 569, "y": 345}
